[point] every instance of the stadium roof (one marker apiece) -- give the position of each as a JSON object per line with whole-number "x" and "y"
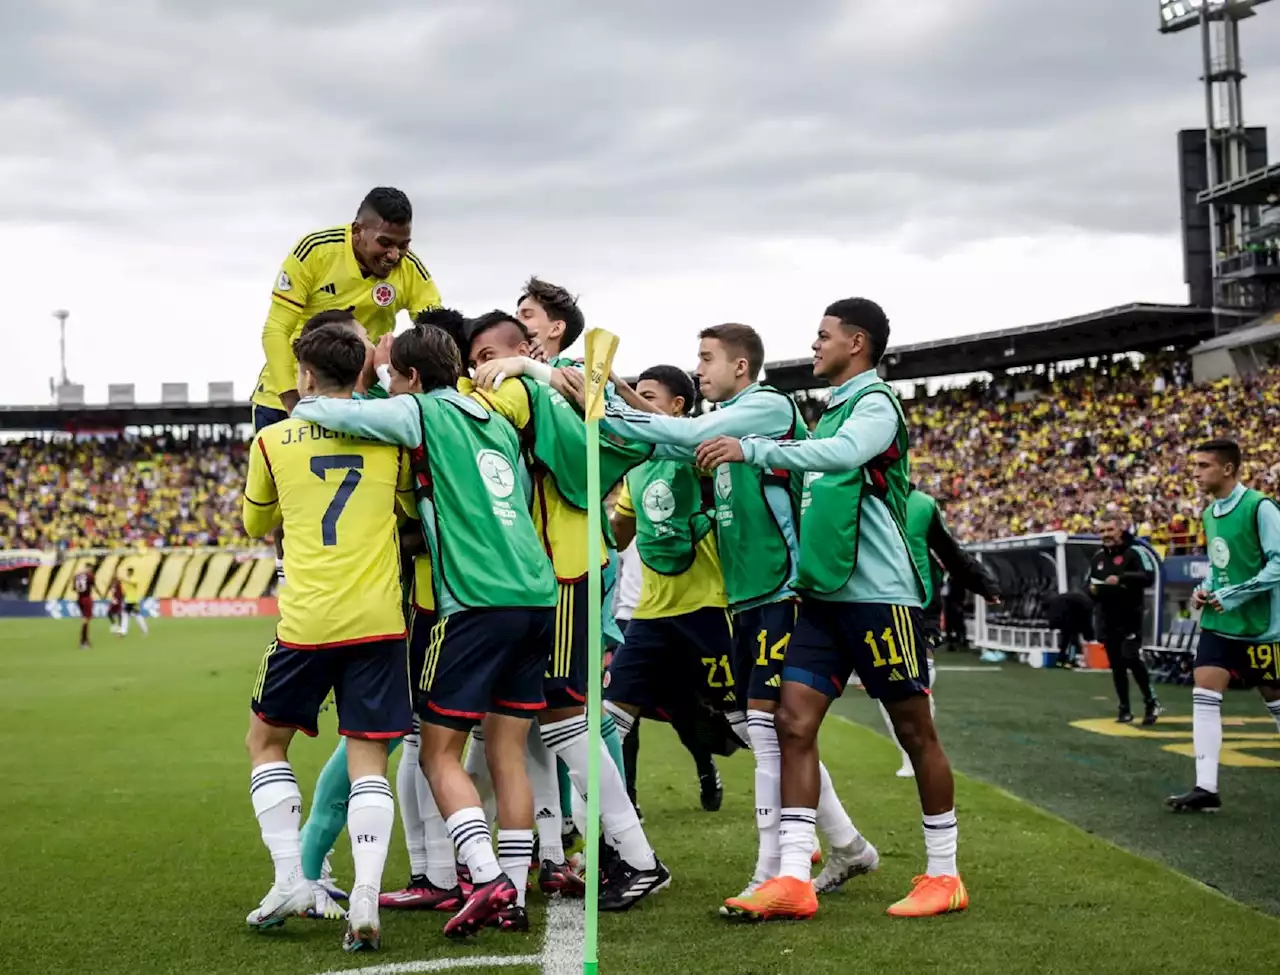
{"x": 1265, "y": 330}
{"x": 1126, "y": 328}
{"x": 89, "y": 419}
{"x": 1251, "y": 188}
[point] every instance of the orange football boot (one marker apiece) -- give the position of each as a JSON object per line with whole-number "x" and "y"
{"x": 779, "y": 899}
{"x": 930, "y": 896}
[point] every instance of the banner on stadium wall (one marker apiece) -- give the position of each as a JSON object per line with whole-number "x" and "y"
{"x": 189, "y": 572}
{"x": 218, "y": 608}
{"x": 1186, "y": 570}
{"x": 25, "y": 558}
{"x": 65, "y": 609}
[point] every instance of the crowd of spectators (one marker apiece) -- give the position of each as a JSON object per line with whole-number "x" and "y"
{"x": 1040, "y": 452}
{"x": 100, "y": 492}
{"x": 1032, "y": 452}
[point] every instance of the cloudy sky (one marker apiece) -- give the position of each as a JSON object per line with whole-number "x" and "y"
{"x": 971, "y": 164}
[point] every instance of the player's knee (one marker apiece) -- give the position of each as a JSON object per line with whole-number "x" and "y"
{"x": 793, "y": 728}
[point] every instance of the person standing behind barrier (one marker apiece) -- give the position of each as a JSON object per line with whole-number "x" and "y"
{"x": 1119, "y": 576}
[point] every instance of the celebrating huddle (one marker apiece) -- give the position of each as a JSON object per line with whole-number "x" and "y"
{"x": 445, "y": 469}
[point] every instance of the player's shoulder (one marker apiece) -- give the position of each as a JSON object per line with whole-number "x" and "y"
{"x": 319, "y": 243}
{"x": 411, "y": 269}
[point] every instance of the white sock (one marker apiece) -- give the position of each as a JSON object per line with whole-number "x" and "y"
{"x": 407, "y": 775}
{"x": 1206, "y": 735}
{"x": 578, "y": 806}
{"x": 142, "y": 624}
{"x": 515, "y": 851}
{"x": 893, "y": 735}
{"x": 124, "y": 624}
{"x": 277, "y": 802}
{"x": 832, "y": 820}
{"x": 568, "y": 740}
{"x": 546, "y": 799}
{"x": 469, "y": 830}
{"x": 768, "y": 757}
{"x": 941, "y": 837}
{"x": 1274, "y": 708}
{"x": 442, "y": 860}
{"x": 477, "y": 766}
{"x": 796, "y": 837}
{"x": 371, "y": 816}
{"x": 279, "y": 571}
{"x": 738, "y": 725}
{"x": 621, "y": 718}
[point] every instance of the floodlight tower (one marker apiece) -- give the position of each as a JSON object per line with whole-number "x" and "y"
{"x": 1231, "y": 152}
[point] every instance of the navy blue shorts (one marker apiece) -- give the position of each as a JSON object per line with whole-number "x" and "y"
{"x": 485, "y": 661}
{"x": 761, "y": 636}
{"x": 883, "y": 643}
{"x": 1255, "y": 664}
{"x": 565, "y": 683}
{"x": 662, "y": 662}
{"x": 264, "y": 416}
{"x": 421, "y": 623}
{"x": 370, "y": 683}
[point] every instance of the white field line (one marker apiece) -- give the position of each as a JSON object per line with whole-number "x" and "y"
{"x": 561, "y": 954}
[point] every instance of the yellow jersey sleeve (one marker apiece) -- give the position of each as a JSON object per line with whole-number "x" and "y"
{"x": 421, "y": 291}
{"x": 261, "y": 507}
{"x": 510, "y": 400}
{"x": 289, "y": 300}
{"x": 623, "y": 505}
{"x": 424, "y": 596}
{"x": 405, "y": 499}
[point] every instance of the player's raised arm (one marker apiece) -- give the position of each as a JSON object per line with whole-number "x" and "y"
{"x": 765, "y": 416}
{"x": 284, "y": 321}
{"x": 395, "y": 420}
{"x": 261, "y": 506}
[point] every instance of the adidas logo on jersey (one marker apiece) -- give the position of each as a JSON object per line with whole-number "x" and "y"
{"x": 894, "y": 675}
{"x": 774, "y": 681}
{"x": 329, "y": 289}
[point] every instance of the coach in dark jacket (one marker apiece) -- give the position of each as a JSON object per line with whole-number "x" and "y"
{"x": 1119, "y": 576}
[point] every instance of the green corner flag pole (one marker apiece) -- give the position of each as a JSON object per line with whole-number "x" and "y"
{"x": 590, "y": 964}
{"x": 601, "y": 346}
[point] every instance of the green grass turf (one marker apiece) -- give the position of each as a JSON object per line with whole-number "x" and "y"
{"x": 129, "y": 846}
{"x": 1012, "y": 726}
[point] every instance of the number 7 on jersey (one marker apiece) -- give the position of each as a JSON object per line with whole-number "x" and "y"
{"x": 320, "y": 466}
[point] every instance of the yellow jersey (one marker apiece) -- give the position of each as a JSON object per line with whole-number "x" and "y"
{"x": 561, "y": 527}
{"x": 132, "y": 591}
{"x": 698, "y": 587}
{"x": 321, "y": 273}
{"x": 336, "y": 497}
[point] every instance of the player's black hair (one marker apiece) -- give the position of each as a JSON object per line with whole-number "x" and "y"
{"x": 741, "y": 342}
{"x": 333, "y": 352}
{"x": 1227, "y": 451}
{"x": 388, "y": 203}
{"x": 676, "y": 380}
{"x": 430, "y": 350}
{"x": 559, "y": 305}
{"x": 335, "y": 316}
{"x": 864, "y": 315}
{"x": 492, "y": 319}
{"x": 449, "y": 319}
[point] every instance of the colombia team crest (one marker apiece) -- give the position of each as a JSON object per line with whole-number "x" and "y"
{"x": 383, "y": 294}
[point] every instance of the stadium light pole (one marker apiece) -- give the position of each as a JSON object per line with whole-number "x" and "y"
{"x": 62, "y": 315}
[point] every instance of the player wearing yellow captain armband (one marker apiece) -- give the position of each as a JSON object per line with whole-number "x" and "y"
{"x": 341, "y": 627}
{"x": 365, "y": 268}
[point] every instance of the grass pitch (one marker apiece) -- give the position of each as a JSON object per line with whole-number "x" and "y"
{"x": 129, "y": 844}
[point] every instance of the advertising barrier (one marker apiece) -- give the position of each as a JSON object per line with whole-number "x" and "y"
{"x": 218, "y": 608}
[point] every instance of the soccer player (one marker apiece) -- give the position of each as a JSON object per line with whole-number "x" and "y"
{"x": 341, "y": 627}
{"x": 756, "y": 526}
{"x": 133, "y": 594}
{"x": 860, "y": 598}
{"x": 83, "y": 583}
{"x": 496, "y": 614}
{"x": 555, "y": 442}
{"x": 365, "y": 268}
{"x": 932, "y": 548}
{"x": 1240, "y": 623}
{"x": 1119, "y": 576}
{"x": 115, "y": 609}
